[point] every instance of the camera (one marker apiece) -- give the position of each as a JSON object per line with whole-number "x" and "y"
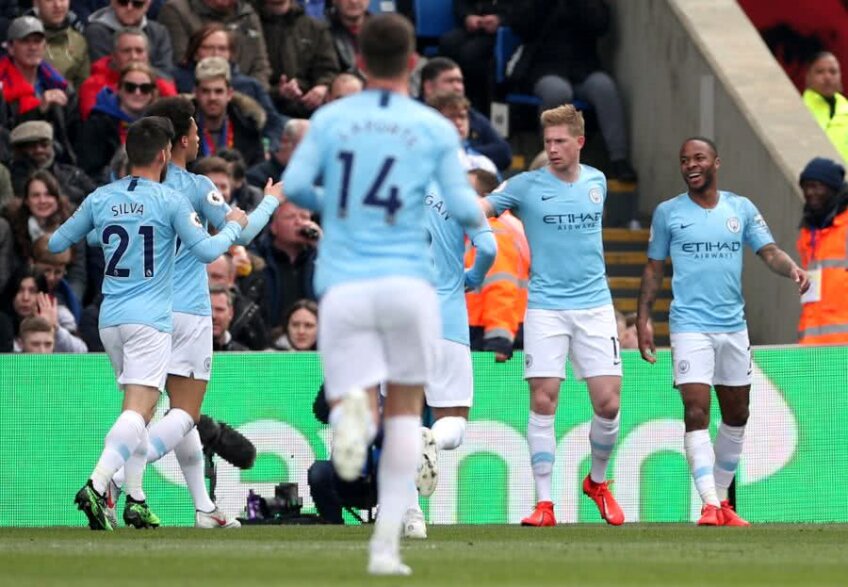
{"x": 309, "y": 232}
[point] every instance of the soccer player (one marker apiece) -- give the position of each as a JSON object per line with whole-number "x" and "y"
{"x": 451, "y": 387}
{"x": 704, "y": 231}
{"x": 569, "y": 311}
{"x": 191, "y": 347}
{"x": 138, "y": 220}
{"x": 377, "y": 151}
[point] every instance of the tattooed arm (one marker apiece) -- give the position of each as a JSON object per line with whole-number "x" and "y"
{"x": 782, "y": 264}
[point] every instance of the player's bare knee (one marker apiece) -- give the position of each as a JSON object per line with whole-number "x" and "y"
{"x": 696, "y": 417}
{"x": 736, "y": 418}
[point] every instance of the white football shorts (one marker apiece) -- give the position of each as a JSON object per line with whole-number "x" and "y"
{"x": 377, "y": 330}
{"x": 714, "y": 359}
{"x": 191, "y": 349}
{"x": 452, "y": 380}
{"x": 139, "y": 354}
{"x": 588, "y": 338}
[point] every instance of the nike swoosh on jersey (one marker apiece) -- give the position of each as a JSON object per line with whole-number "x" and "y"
{"x": 682, "y": 226}
{"x": 546, "y": 198}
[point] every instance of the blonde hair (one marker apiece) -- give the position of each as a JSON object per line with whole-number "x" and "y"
{"x": 566, "y": 115}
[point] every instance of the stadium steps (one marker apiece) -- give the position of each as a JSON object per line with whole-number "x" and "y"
{"x": 625, "y": 255}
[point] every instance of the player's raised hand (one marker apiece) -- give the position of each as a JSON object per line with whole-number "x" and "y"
{"x": 275, "y": 189}
{"x": 800, "y": 277}
{"x": 645, "y": 335}
{"x": 236, "y": 214}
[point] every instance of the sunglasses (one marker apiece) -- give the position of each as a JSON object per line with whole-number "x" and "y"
{"x": 131, "y": 88}
{"x": 135, "y": 3}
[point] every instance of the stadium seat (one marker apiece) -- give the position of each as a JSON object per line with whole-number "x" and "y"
{"x": 314, "y": 8}
{"x": 378, "y": 6}
{"x": 506, "y": 44}
{"x": 433, "y": 18}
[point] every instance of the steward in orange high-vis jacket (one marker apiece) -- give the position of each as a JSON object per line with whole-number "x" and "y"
{"x": 823, "y": 247}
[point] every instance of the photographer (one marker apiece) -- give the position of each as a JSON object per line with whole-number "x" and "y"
{"x": 329, "y": 493}
{"x": 288, "y": 247}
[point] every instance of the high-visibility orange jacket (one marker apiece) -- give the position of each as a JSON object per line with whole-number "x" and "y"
{"x": 826, "y": 250}
{"x": 499, "y": 306}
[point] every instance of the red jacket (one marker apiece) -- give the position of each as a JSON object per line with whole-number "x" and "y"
{"x": 19, "y": 93}
{"x": 104, "y": 76}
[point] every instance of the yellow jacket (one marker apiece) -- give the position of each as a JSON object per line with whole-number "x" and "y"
{"x": 835, "y": 127}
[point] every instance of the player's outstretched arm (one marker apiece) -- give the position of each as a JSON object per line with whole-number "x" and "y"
{"x": 652, "y": 278}
{"x": 73, "y": 230}
{"x": 779, "y": 262}
{"x": 260, "y": 216}
{"x": 486, "y": 249}
{"x": 190, "y": 230}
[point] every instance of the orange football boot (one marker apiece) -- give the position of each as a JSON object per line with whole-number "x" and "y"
{"x": 730, "y": 517}
{"x": 602, "y": 496}
{"x": 543, "y": 515}
{"x": 711, "y": 516}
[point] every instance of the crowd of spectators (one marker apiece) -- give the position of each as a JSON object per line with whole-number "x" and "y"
{"x": 75, "y": 73}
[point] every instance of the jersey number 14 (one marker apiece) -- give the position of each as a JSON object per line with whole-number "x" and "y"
{"x": 391, "y": 204}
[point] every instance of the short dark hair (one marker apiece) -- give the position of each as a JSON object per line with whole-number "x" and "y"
{"x": 435, "y": 66}
{"x": 386, "y": 42}
{"x": 486, "y": 180}
{"x": 178, "y": 110}
{"x": 213, "y": 164}
{"x": 146, "y": 137}
{"x": 709, "y": 142}
{"x": 217, "y": 289}
{"x": 238, "y": 166}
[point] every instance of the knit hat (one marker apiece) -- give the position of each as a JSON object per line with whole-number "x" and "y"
{"x": 830, "y": 173}
{"x": 31, "y": 131}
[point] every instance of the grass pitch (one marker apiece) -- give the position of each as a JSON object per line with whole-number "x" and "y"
{"x": 467, "y": 556}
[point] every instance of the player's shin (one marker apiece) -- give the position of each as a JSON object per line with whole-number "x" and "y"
{"x": 542, "y": 441}
{"x": 699, "y": 453}
{"x": 602, "y": 436}
{"x": 168, "y": 432}
{"x": 189, "y": 453}
{"x": 134, "y": 469}
{"x": 120, "y": 442}
{"x": 728, "y": 448}
{"x": 398, "y": 465}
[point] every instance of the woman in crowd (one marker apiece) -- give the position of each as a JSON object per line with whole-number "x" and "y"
{"x": 301, "y": 328}
{"x": 105, "y": 131}
{"x": 41, "y": 211}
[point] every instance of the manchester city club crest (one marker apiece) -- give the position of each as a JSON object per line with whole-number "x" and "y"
{"x": 733, "y": 224}
{"x": 595, "y": 195}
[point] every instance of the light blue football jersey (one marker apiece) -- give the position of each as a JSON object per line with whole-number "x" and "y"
{"x": 376, "y": 153}
{"x": 191, "y": 284}
{"x": 563, "y": 224}
{"x": 447, "y": 246}
{"x": 705, "y": 246}
{"x": 137, "y": 222}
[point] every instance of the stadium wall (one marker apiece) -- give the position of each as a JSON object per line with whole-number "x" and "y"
{"x": 57, "y": 409}
{"x": 699, "y": 67}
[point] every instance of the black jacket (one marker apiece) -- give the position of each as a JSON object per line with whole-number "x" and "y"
{"x": 280, "y": 292}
